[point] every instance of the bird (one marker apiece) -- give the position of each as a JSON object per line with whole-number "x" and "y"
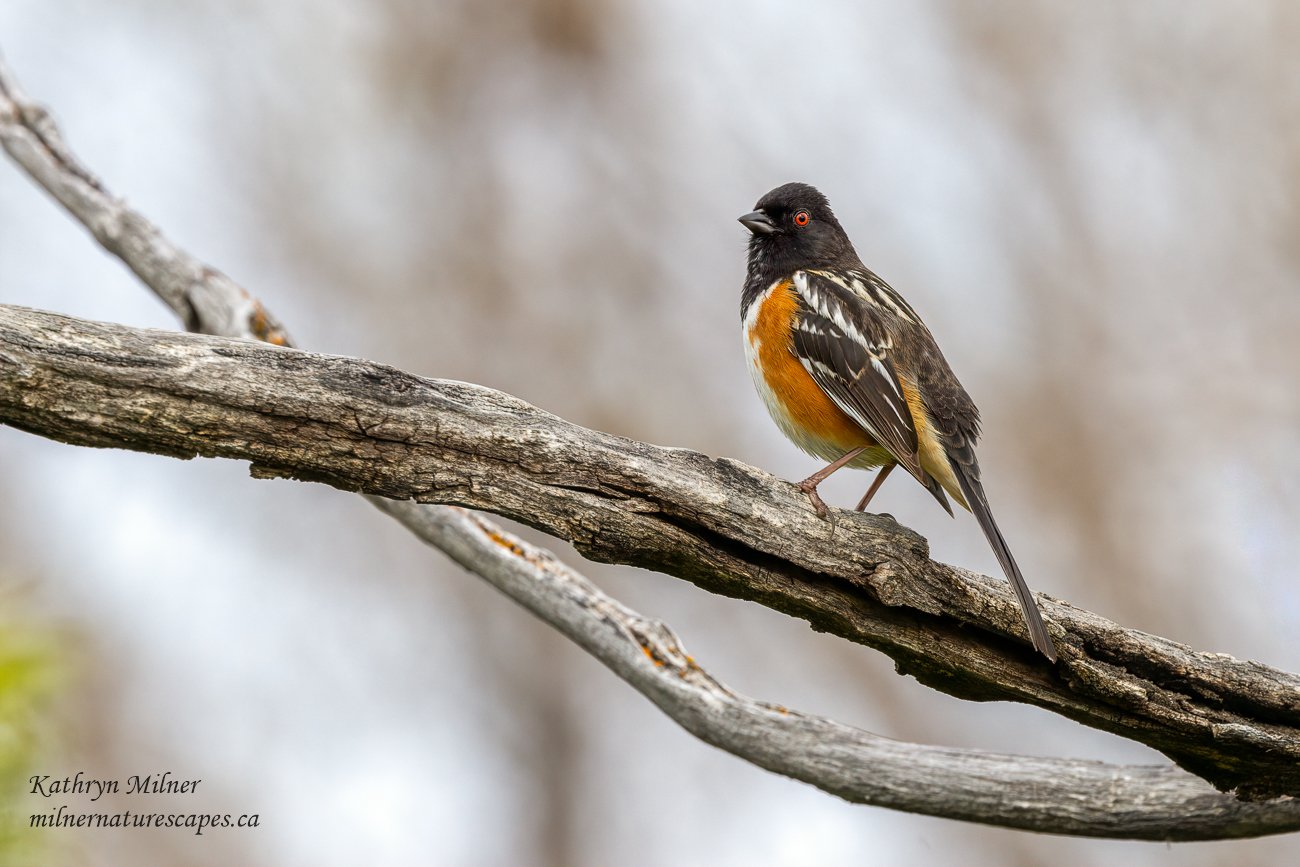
{"x": 850, "y": 373}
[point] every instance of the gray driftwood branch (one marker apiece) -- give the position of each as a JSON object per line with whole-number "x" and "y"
{"x": 1045, "y": 795}
{"x": 1059, "y": 795}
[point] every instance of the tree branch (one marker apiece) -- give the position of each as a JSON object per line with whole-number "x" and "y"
{"x": 1058, "y": 795}
{"x": 1051, "y": 795}
{"x": 362, "y": 426}
{"x": 206, "y": 300}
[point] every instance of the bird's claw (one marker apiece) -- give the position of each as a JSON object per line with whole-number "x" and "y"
{"x": 819, "y": 505}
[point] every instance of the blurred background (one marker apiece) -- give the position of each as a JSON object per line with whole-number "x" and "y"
{"x": 1093, "y": 206}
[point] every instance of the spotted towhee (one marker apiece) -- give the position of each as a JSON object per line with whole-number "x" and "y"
{"x": 851, "y": 374}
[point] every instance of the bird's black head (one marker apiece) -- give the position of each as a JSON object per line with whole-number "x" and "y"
{"x": 792, "y": 228}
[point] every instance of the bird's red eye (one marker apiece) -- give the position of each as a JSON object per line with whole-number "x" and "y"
{"x": 801, "y": 218}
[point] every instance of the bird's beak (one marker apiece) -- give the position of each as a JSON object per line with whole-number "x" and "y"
{"x": 758, "y": 222}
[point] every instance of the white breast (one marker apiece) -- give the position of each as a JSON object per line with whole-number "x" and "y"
{"x": 752, "y": 344}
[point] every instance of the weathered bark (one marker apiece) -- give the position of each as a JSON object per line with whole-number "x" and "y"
{"x": 729, "y": 528}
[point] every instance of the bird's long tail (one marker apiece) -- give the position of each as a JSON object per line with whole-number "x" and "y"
{"x": 973, "y": 490}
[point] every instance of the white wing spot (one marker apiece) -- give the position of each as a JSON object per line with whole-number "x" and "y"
{"x": 878, "y": 363}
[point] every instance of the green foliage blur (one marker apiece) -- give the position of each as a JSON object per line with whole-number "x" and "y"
{"x": 32, "y": 673}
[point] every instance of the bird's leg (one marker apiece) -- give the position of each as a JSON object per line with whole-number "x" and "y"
{"x": 875, "y": 486}
{"x": 809, "y": 485}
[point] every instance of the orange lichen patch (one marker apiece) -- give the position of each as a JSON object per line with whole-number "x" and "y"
{"x": 808, "y": 407}
{"x": 535, "y": 557}
{"x": 659, "y": 663}
{"x": 509, "y": 544}
{"x": 262, "y": 328}
{"x": 257, "y": 322}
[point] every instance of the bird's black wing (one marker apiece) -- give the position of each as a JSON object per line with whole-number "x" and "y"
{"x": 843, "y": 343}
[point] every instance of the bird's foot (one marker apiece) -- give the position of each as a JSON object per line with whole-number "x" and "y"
{"x": 809, "y": 487}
